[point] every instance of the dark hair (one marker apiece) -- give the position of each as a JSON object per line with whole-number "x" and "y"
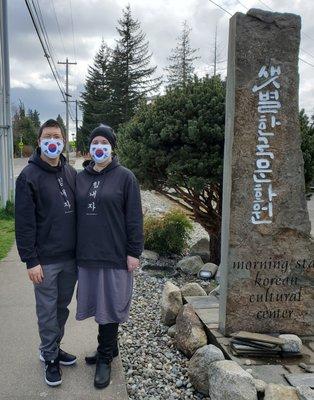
{"x": 51, "y": 123}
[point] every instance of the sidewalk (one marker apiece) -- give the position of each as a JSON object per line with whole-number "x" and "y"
{"x": 21, "y": 372}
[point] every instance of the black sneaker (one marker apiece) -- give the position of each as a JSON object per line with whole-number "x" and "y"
{"x": 66, "y": 358}
{"x": 53, "y": 373}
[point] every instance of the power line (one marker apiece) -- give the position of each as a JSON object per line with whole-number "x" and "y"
{"x": 58, "y": 25}
{"x": 44, "y": 41}
{"x": 74, "y": 49}
{"x": 242, "y": 5}
{"x": 223, "y": 9}
{"x": 265, "y": 5}
{"x": 306, "y": 62}
{"x": 301, "y": 59}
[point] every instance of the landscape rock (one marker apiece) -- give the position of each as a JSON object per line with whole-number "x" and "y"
{"x": 293, "y": 343}
{"x": 228, "y": 381}
{"x": 192, "y": 289}
{"x": 280, "y": 392}
{"x": 201, "y": 248}
{"x": 150, "y": 255}
{"x": 190, "y": 264}
{"x": 190, "y": 334}
{"x": 305, "y": 393}
{"x": 199, "y": 364}
{"x": 171, "y": 302}
{"x": 260, "y": 385}
{"x": 208, "y": 267}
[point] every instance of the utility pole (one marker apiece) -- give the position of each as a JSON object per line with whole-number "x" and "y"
{"x": 67, "y": 95}
{"x": 6, "y": 137}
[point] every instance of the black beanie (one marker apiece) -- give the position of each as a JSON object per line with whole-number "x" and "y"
{"x": 105, "y": 131}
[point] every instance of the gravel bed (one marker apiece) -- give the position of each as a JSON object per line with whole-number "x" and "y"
{"x": 154, "y": 369}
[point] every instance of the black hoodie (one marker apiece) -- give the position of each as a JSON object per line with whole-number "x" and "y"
{"x": 45, "y": 212}
{"x": 109, "y": 215}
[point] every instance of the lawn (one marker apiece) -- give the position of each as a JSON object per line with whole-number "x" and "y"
{"x": 6, "y": 236}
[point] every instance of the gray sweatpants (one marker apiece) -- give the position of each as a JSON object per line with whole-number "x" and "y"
{"x": 53, "y": 296}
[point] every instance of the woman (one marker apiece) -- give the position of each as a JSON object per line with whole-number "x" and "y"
{"x": 109, "y": 243}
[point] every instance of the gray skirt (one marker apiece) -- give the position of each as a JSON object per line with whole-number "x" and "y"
{"x": 104, "y": 293}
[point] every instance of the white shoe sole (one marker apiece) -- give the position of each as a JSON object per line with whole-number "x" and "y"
{"x": 60, "y": 362}
{"x": 53, "y": 383}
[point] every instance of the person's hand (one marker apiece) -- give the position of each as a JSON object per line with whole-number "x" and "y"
{"x": 36, "y": 274}
{"x": 132, "y": 263}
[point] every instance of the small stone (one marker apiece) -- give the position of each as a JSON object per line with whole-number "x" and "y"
{"x": 305, "y": 393}
{"x": 276, "y": 392}
{"x": 293, "y": 343}
{"x": 179, "y": 383}
{"x": 201, "y": 248}
{"x": 248, "y": 362}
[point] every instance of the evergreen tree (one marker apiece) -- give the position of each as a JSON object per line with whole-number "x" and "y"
{"x": 307, "y": 146}
{"x": 23, "y": 128}
{"x": 34, "y": 116}
{"x": 181, "y": 68}
{"x": 61, "y": 122}
{"x": 131, "y": 73}
{"x": 175, "y": 146}
{"x": 96, "y": 98}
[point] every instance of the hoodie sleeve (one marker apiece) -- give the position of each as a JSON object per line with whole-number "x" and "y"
{"x": 134, "y": 218}
{"x": 25, "y": 222}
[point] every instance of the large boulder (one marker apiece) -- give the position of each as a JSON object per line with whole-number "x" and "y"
{"x": 192, "y": 289}
{"x": 171, "y": 302}
{"x": 190, "y": 334}
{"x": 201, "y": 248}
{"x": 280, "y": 392}
{"x": 228, "y": 381}
{"x": 190, "y": 264}
{"x": 199, "y": 365}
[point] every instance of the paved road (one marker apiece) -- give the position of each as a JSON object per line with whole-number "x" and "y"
{"x": 21, "y": 372}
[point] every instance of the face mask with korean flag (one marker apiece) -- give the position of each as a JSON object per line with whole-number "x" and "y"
{"x": 100, "y": 152}
{"x": 52, "y": 148}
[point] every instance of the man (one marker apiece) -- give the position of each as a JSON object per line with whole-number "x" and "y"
{"x": 45, "y": 235}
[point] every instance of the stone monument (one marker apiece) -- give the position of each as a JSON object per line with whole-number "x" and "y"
{"x": 267, "y": 252}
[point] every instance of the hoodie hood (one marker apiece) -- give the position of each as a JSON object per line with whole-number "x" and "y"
{"x": 113, "y": 164}
{"x": 37, "y": 160}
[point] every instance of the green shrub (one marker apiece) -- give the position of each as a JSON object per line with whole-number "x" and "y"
{"x": 8, "y": 211}
{"x": 167, "y": 234}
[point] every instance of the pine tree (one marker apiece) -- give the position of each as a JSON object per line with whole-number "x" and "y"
{"x": 23, "y": 128}
{"x": 34, "y": 116}
{"x": 181, "y": 68}
{"x": 61, "y": 122}
{"x": 131, "y": 72}
{"x": 96, "y": 98}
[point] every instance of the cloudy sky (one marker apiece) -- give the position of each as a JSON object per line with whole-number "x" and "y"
{"x": 161, "y": 20}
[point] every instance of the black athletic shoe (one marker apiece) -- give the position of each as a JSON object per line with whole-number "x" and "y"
{"x": 91, "y": 360}
{"x": 53, "y": 373}
{"x": 66, "y": 358}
